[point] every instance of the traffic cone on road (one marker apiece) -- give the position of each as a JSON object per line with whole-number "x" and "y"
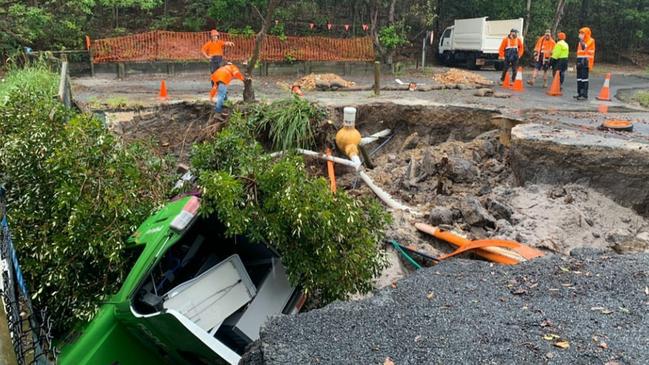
{"x": 555, "y": 87}
{"x": 605, "y": 93}
{"x": 163, "y": 91}
{"x": 518, "y": 83}
{"x": 506, "y": 83}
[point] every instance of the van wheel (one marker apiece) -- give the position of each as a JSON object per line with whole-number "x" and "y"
{"x": 448, "y": 59}
{"x": 470, "y": 62}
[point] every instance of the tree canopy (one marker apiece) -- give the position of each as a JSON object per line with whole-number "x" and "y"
{"x": 620, "y": 26}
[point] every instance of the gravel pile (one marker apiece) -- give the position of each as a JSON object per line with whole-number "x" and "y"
{"x": 588, "y": 308}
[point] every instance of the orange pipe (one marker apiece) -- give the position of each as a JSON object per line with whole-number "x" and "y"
{"x": 500, "y": 251}
{"x": 331, "y": 172}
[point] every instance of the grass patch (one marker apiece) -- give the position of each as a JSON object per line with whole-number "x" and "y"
{"x": 37, "y": 78}
{"x": 642, "y": 97}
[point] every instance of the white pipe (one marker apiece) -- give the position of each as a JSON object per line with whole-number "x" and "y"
{"x": 375, "y": 136}
{"x": 382, "y": 194}
{"x": 355, "y": 164}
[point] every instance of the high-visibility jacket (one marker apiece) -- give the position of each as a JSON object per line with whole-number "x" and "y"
{"x": 544, "y": 46}
{"x": 224, "y": 75}
{"x": 561, "y": 50}
{"x": 511, "y": 44}
{"x": 213, "y": 48}
{"x": 586, "y": 47}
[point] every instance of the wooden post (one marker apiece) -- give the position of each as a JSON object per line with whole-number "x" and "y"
{"x": 65, "y": 94}
{"x": 171, "y": 69}
{"x": 92, "y": 65}
{"x": 377, "y": 78}
{"x": 121, "y": 71}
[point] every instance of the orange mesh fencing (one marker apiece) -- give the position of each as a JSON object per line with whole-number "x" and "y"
{"x": 186, "y": 46}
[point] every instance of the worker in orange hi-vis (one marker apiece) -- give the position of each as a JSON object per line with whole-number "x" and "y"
{"x": 542, "y": 55}
{"x": 221, "y": 78}
{"x": 213, "y": 50}
{"x": 511, "y": 50}
{"x": 585, "y": 61}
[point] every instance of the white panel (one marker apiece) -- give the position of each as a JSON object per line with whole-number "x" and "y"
{"x": 211, "y": 297}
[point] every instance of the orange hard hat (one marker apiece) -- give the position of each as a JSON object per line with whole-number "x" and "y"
{"x": 562, "y": 36}
{"x": 214, "y": 32}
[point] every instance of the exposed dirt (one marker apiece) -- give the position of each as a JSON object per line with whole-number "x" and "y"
{"x": 322, "y": 81}
{"x": 467, "y": 185}
{"x": 564, "y": 218}
{"x": 457, "y": 76}
{"x": 173, "y": 128}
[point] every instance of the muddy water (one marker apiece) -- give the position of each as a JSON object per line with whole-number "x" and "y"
{"x": 6, "y": 350}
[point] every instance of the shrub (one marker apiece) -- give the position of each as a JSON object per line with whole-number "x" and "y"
{"x": 288, "y": 123}
{"x": 328, "y": 242}
{"x": 74, "y": 194}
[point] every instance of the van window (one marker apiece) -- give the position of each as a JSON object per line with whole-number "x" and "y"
{"x": 447, "y": 33}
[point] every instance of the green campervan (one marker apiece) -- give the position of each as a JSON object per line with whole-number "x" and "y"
{"x": 193, "y": 296}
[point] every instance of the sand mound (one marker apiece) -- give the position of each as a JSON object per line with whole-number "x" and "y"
{"x": 457, "y": 76}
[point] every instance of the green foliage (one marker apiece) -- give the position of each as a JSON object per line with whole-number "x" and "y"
{"x": 38, "y": 78}
{"x": 289, "y": 58}
{"x": 74, "y": 194}
{"x": 278, "y": 31}
{"x": 392, "y": 37}
{"x": 642, "y": 97}
{"x": 246, "y": 31}
{"x": 328, "y": 242}
{"x": 288, "y": 123}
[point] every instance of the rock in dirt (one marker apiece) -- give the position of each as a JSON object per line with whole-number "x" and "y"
{"x": 462, "y": 170}
{"x": 475, "y": 214}
{"x": 502, "y": 95}
{"x": 480, "y": 313}
{"x": 410, "y": 142}
{"x": 440, "y": 215}
{"x": 484, "y": 92}
{"x": 500, "y": 209}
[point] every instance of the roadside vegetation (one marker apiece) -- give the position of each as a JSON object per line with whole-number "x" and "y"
{"x": 74, "y": 194}
{"x": 642, "y": 97}
{"x": 330, "y": 243}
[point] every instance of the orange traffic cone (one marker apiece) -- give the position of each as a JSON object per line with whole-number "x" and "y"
{"x": 605, "y": 94}
{"x": 555, "y": 87}
{"x": 518, "y": 83}
{"x": 506, "y": 83}
{"x": 163, "y": 91}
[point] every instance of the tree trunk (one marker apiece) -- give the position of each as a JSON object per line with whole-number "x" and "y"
{"x": 374, "y": 27}
{"x": 558, "y": 15}
{"x": 248, "y": 91}
{"x": 528, "y": 16}
{"x": 391, "y": 19}
{"x": 583, "y": 13}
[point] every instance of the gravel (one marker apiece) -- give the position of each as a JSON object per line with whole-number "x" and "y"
{"x": 468, "y": 311}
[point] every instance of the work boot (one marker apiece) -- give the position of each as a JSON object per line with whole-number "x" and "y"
{"x": 530, "y": 82}
{"x": 545, "y": 83}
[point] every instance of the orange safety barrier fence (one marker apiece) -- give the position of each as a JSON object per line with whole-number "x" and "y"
{"x": 186, "y": 46}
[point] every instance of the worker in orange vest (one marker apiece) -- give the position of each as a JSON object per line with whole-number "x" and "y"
{"x": 542, "y": 55}
{"x": 585, "y": 61}
{"x": 213, "y": 50}
{"x": 221, "y": 78}
{"x": 511, "y": 50}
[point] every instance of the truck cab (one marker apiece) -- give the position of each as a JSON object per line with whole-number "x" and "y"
{"x": 194, "y": 296}
{"x": 475, "y": 42}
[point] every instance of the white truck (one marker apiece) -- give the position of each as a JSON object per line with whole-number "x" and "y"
{"x": 475, "y": 41}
